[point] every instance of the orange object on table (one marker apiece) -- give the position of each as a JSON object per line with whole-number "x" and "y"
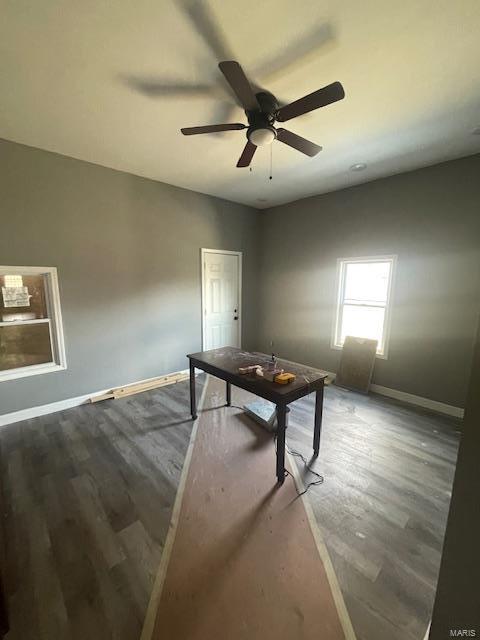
{"x": 285, "y": 378}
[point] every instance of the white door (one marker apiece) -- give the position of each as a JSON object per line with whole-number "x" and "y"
{"x": 221, "y": 299}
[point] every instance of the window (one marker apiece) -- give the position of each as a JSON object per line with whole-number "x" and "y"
{"x": 31, "y": 335}
{"x": 363, "y": 300}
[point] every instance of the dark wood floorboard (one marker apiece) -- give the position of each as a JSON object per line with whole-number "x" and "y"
{"x": 88, "y": 495}
{"x": 383, "y": 507}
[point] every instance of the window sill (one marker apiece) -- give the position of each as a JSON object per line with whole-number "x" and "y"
{"x": 33, "y": 370}
{"x": 380, "y": 356}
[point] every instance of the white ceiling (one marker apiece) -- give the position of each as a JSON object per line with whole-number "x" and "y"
{"x": 74, "y": 79}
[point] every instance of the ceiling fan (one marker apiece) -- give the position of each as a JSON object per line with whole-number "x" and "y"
{"x": 263, "y": 111}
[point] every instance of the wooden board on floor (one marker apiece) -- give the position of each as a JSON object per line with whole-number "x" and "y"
{"x": 356, "y": 365}
{"x": 140, "y": 387}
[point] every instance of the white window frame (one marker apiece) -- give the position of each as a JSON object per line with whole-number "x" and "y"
{"x": 59, "y": 361}
{"x": 339, "y": 300}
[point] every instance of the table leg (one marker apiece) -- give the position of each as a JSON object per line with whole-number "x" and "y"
{"x": 193, "y": 400}
{"x": 229, "y": 394}
{"x": 281, "y": 426}
{"x": 318, "y": 420}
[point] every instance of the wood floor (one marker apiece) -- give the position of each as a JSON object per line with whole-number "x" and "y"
{"x": 383, "y": 506}
{"x": 88, "y": 494}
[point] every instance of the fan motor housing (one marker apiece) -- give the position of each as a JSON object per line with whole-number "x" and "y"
{"x": 266, "y": 113}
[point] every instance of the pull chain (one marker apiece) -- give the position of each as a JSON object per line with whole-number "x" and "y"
{"x": 271, "y": 163}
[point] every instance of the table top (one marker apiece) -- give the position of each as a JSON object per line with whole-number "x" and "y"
{"x": 226, "y": 361}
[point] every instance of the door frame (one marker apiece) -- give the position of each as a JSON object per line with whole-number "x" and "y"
{"x": 203, "y": 253}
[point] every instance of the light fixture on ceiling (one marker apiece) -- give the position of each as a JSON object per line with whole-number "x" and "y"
{"x": 359, "y": 166}
{"x": 261, "y": 136}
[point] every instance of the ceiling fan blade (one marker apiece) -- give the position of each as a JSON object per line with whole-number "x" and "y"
{"x": 247, "y": 155}
{"x": 212, "y": 128}
{"x": 297, "y": 142}
{"x": 322, "y": 97}
{"x": 237, "y": 79}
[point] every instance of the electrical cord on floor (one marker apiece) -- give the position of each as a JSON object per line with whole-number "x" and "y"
{"x": 314, "y": 483}
{"x": 235, "y": 406}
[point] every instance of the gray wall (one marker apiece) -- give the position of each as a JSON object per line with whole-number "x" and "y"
{"x": 431, "y": 219}
{"x": 127, "y": 250}
{"x": 128, "y": 256}
{"x": 457, "y": 601}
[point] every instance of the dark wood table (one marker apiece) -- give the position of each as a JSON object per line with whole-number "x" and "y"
{"x": 224, "y": 364}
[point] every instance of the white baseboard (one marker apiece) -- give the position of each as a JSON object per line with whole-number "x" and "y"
{"x": 44, "y": 409}
{"x": 61, "y": 405}
{"x": 53, "y": 407}
{"x": 409, "y": 398}
{"x": 426, "y": 403}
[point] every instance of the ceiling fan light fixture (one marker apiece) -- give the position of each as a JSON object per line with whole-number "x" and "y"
{"x": 262, "y": 136}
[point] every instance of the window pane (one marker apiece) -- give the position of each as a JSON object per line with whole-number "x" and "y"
{"x": 24, "y": 345}
{"x": 367, "y": 281}
{"x": 363, "y": 322}
{"x": 22, "y": 297}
